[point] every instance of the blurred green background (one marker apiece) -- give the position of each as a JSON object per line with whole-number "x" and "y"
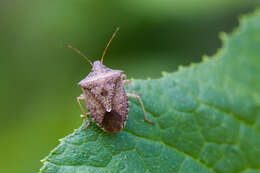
{"x": 39, "y": 75}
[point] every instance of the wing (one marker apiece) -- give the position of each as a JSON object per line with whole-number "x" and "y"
{"x": 120, "y": 101}
{"x": 95, "y": 108}
{"x": 114, "y": 121}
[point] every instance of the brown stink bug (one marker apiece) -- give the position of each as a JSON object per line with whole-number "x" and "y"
{"x": 105, "y": 95}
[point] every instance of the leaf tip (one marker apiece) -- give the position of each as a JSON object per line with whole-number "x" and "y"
{"x": 164, "y": 73}
{"x": 205, "y": 58}
{"x": 193, "y": 64}
{"x": 222, "y": 35}
{"x": 132, "y": 78}
{"x": 180, "y": 67}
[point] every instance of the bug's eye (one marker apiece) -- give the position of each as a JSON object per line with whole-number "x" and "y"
{"x": 103, "y": 93}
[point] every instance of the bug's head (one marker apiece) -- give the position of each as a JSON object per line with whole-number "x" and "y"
{"x": 98, "y": 66}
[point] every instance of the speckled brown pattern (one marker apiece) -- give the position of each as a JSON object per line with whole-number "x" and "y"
{"x": 106, "y": 98}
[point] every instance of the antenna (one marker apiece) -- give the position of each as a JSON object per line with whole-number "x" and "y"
{"x": 76, "y": 50}
{"x": 105, "y": 50}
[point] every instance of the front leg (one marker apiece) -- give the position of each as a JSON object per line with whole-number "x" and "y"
{"x": 84, "y": 115}
{"x": 79, "y": 98}
{"x": 86, "y": 127}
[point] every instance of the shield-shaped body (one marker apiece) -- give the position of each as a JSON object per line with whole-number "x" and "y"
{"x": 106, "y": 98}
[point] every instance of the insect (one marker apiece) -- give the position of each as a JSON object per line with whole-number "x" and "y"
{"x": 104, "y": 92}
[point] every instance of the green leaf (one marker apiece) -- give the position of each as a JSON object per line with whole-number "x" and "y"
{"x": 207, "y": 119}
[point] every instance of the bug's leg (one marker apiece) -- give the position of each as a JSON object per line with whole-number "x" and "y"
{"x": 127, "y": 81}
{"x": 85, "y": 114}
{"x": 141, "y": 102}
{"x": 86, "y": 127}
{"x": 132, "y": 94}
{"x": 81, "y": 97}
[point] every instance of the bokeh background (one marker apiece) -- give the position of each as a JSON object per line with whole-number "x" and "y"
{"x": 39, "y": 75}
